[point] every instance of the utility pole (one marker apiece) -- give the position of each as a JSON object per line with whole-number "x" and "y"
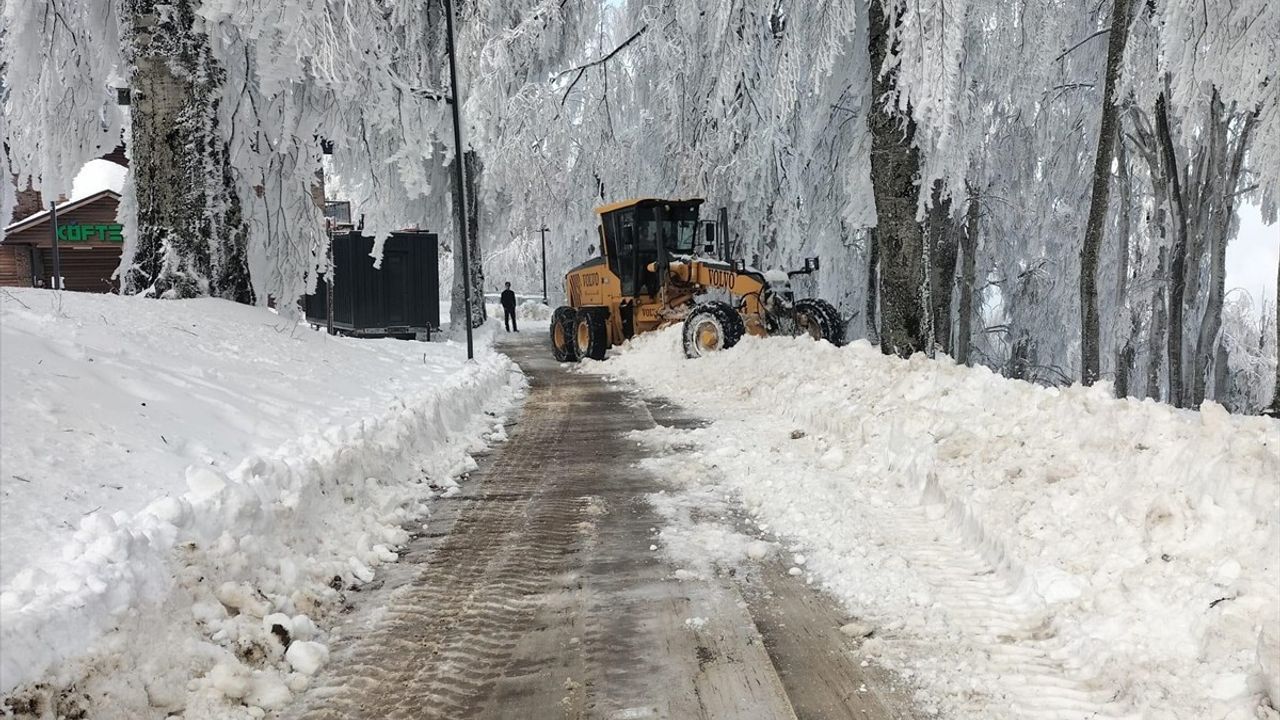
{"x": 544, "y": 264}
{"x": 57, "y": 257}
{"x": 460, "y": 165}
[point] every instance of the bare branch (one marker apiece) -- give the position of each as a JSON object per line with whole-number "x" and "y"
{"x": 1069, "y": 50}
{"x": 582, "y": 69}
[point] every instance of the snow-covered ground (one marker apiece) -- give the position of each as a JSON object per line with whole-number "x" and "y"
{"x": 1013, "y": 551}
{"x": 185, "y": 484}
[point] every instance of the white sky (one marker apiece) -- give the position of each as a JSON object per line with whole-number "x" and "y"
{"x": 1252, "y": 257}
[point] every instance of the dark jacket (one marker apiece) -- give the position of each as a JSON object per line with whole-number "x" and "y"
{"x": 508, "y": 300}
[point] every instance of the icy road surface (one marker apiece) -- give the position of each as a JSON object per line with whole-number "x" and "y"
{"x": 546, "y": 592}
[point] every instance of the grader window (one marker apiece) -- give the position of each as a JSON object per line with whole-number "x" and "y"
{"x": 610, "y": 234}
{"x": 674, "y": 228}
{"x": 627, "y": 256}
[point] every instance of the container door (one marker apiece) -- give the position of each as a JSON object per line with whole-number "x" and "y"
{"x": 429, "y": 274}
{"x": 396, "y": 286}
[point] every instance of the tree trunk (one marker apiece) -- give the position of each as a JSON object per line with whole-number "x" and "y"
{"x": 968, "y": 270}
{"x": 189, "y": 239}
{"x": 1023, "y": 357}
{"x": 873, "y": 287}
{"x": 457, "y": 311}
{"x": 1094, "y": 229}
{"x": 1211, "y": 323}
{"x": 1127, "y": 352}
{"x": 1155, "y": 342}
{"x": 1219, "y": 194}
{"x": 1221, "y": 378}
{"x": 1126, "y": 359}
{"x": 1147, "y": 143}
{"x": 1178, "y": 261}
{"x": 943, "y": 248}
{"x": 895, "y": 166}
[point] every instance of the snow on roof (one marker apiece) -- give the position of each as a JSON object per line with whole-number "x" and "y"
{"x": 96, "y": 176}
{"x": 27, "y": 222}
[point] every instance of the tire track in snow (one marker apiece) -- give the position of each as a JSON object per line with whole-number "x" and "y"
{"x": 1024, "y": 659}
{"x": 446, "y": 638}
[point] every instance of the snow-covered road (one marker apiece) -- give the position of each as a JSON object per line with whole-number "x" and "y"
{"x": 1020, "y": 552}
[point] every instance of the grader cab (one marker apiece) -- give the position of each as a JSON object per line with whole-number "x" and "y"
{"x": 653, "y": 271}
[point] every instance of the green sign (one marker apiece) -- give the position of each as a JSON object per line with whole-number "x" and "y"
{"x": 106, "y": 232}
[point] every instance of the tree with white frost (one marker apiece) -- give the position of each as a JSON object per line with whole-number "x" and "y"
{"x": 57, "y": 61}
{"x": 186, "y": 233}
{"x": 250, "y": 89}
{"x": 945, "y": 159}
{"x": 1107, "y": 133}
{"x": 896, "y": 180}
{"x": 506, "y": 48}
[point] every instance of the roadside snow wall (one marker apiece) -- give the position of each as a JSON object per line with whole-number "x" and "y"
{"x": 224, "y": 566}
{"x": 1139, "y": 543}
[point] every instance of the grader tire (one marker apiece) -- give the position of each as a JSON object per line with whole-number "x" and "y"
{"x": 711, "y": 327}
{"x": 590, "y": 334}
{"x": 820, "y": 320}
{"x": 562, "y": 322}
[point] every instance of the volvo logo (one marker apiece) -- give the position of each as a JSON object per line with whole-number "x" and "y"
{"x": 721, "y": 278}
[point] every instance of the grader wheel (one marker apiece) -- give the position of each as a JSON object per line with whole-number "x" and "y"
{"x": 591, "y": 334}
{"x": 711, "y": 327}
{"x": 820, "y": 320}
{"x": 562, "y": 322}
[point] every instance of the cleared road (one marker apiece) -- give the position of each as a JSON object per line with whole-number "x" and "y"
{"x": 536, "y": 595}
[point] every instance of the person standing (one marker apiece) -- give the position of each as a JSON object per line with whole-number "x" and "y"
{"x": 509, "y": 309}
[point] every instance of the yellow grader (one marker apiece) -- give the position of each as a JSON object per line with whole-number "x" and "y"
{"x": 651, "y": 273}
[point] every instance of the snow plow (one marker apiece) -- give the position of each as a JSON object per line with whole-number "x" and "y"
{"x": 652, "y": 272}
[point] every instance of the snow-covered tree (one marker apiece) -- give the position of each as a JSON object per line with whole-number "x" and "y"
{"x": 508, "y": 52}
{"x": 1108, "y": 132}
{"x": 1247, "y": 366}
{"x": 58, "y": 60}
{"x": 185, "y": 232}
{"x": 354, "y": 76}
{"x": 941, "y": 157}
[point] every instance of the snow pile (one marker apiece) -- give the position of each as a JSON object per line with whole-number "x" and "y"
{"x": 190, "y": 487}
{"x": 532, "y": 311}
{"x": 699, "y": 533}
{"x": 1021, "y": 550}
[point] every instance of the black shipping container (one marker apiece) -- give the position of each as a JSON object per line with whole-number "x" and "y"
{"x": 400, "y": 299}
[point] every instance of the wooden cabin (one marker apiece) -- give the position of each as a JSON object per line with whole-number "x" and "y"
{"x": 89, "y": 245}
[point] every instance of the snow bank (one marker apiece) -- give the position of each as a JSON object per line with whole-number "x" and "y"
{"x": 176, "y": 473}
{"x": 532, "y": 311}
{"x": 1025, "y": 551}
